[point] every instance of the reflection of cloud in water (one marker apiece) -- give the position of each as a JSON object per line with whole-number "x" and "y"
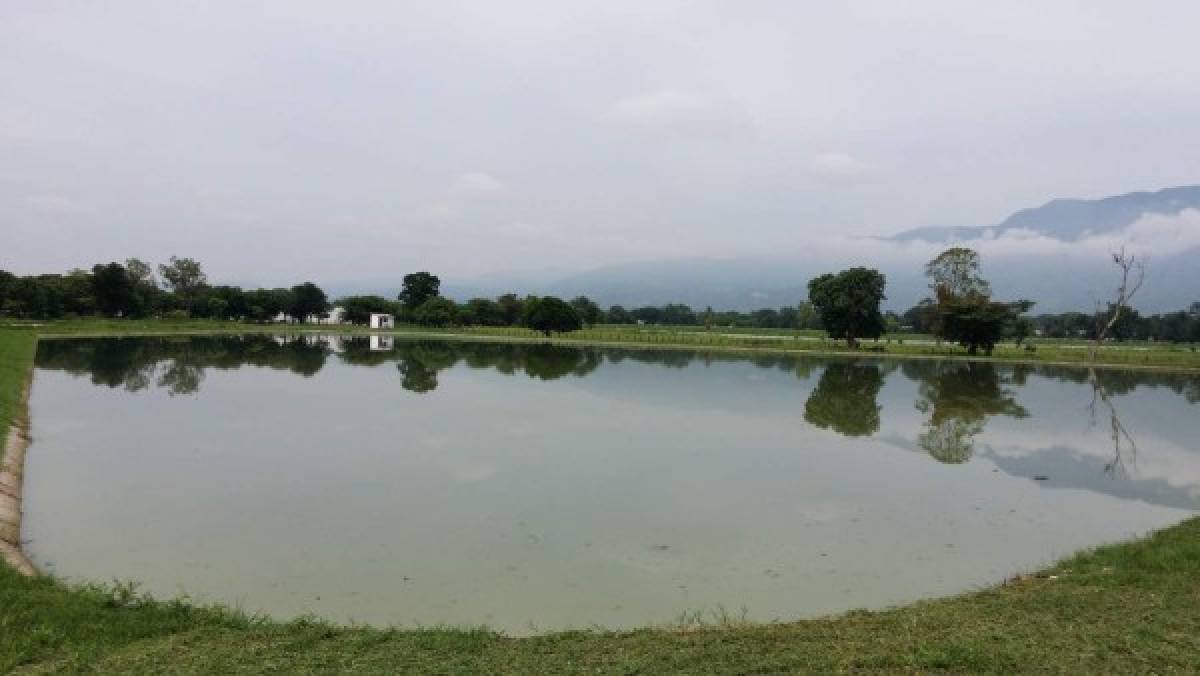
{"x": 1158, "y": 459}
{"x": 1064, "y": 468}
{"x": 1166, "y": 474}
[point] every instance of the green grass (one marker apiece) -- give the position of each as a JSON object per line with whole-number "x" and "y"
{"x": 1132, "y": 607}
{"x": 16, "y": 360}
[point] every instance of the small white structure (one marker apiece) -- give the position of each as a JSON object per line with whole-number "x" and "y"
{"x": 380, "y": 320}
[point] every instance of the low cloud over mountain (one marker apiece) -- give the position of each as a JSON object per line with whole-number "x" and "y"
{"x": 1056, "y": 254}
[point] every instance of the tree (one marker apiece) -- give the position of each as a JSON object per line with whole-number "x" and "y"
{"x": 975, "y": 323}
{"x": 358, "y": 309}
{"x": 512, "y": 308}
{"x": 806, "y": 316}
{"x": 266, "y": 304}
{"x": 589, "y": 313}
{"x": 418, "y": 288}
{"x": 547, "y": 314}
{"x": 8, "y": 281}
{"x": 848, "y": 303}
{"x": 140, "y": 272}
{"x": 184, "y": 276}
{"x": 483, "y": 312}
{"x": 618, "y": 315}
{"x": 308, "y": 299}
{"x": 678, "y": 314}
{"x": 1021, "y": 329}
{"x": 1133, "y": 273}
{"x": 955, "y": 274}
{"x": 113, "y": 290}
{"x": 765, "y": 318}
{"x": 437, "y": 311}
{"x": 963, "y": 311}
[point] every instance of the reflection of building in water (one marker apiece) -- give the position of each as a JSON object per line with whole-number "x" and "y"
{"x": 380, "y": 320}
{"x": 382, "y": 343}
{"x": 333, "y": 342}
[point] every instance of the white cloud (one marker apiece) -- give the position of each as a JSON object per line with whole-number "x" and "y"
{"x": 478, "y": 183}
{"x": 835, "y": 166}
{"x": 680, "y": 113}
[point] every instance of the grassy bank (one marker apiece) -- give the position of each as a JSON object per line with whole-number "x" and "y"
{"x": 1132, "y": 607}
{"x": 1121, "y": 609}
{"x": 1144, "y": 355}
{"x": 16, "y": 360}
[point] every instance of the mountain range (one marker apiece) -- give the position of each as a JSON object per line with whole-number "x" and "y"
{"x": 1056, "y": 254}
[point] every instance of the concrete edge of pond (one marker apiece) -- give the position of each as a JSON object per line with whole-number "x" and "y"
{"x": 12, "y": 473}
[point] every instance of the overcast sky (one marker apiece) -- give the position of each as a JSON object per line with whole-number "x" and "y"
{"x": 345, "y": 141}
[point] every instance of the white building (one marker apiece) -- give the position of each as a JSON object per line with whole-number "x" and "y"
{"x": 380, "y": 320}
{"x": 334, "y": 316}
{"x": 382, "y": 343}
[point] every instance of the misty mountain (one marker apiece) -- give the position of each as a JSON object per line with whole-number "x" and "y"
{"x": 747, "y": 283}
{"x": 1071, "y": 219}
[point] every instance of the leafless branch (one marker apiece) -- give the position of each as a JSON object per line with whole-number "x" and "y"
{"x": 1133, "y": 273}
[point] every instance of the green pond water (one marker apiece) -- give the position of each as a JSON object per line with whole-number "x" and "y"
{"x": 537, "y": 487}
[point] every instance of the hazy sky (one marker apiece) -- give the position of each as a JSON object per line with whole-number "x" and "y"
{"x": 346, "y": 141}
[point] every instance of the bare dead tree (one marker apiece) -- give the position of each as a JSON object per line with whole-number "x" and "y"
{"x": 1123, "y": 443}
{"x": 1133, "y": 273}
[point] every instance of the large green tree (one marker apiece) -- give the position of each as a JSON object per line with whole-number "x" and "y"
{"x": 113, "y": 290}
{"x": 848, "y": 303}
{"x": 308, "y": 299}
{"x": 964, "y": 311}
{"x": 418, "y": 288}
{"x": 548, "y": 313}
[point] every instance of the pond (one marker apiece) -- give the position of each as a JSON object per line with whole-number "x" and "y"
{"x": 538, "y": 487}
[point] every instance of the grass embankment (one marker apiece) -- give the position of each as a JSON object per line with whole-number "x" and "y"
{"x": 16, "y": 360}
{"x": 1132, "y": 607}
{"x": 1141, "y": 354}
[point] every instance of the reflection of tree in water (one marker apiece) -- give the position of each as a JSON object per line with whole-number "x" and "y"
{"x": 1117, "y": 381}
{"x": 181, "y": 377}
{"x": 959, "y": 396}
{"x": 419, "y": 362}
{"x": 177, "y": 364}
{"x": 1123, "y": 444}
{"x": 844, "y": 400}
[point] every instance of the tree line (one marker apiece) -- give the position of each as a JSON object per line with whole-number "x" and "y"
{"x": 960, "y": 307}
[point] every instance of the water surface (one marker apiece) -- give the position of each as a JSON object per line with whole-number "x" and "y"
{"x": 537, "y": 487}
